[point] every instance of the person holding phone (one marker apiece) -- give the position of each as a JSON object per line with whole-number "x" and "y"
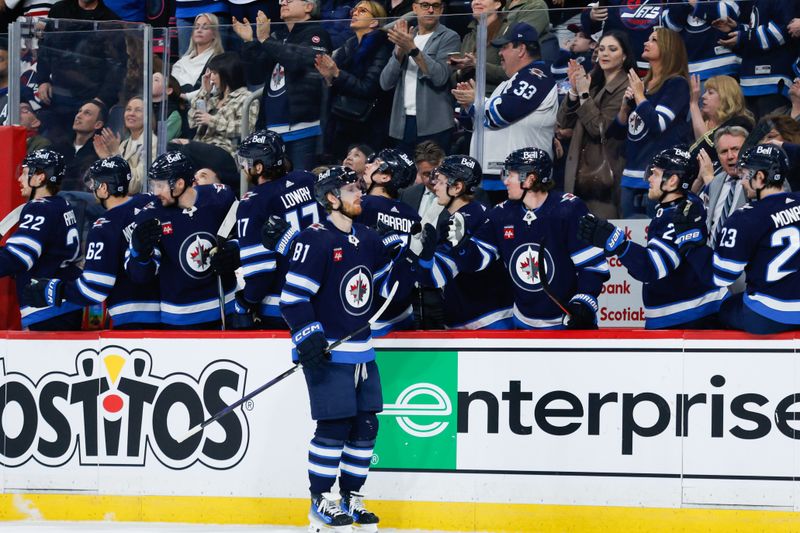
{"x": 463, "y": 62}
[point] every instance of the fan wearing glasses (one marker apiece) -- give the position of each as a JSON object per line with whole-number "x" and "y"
{"x": 419, "y": 74}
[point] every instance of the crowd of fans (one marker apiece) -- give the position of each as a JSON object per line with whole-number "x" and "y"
{"x": 600, "y": 87}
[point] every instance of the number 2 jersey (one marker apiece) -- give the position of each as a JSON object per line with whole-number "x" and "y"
{"x": 335, "y": 278}
{"x": 762, "y": 239}
{"x": 181, "y": 262}
{"x": 45, "y": 245}
{"x": 677, "y": 288}
{"x": 104, "y": 278}
{"x": 515, "y": 234}
{"x": 291, "y": 198}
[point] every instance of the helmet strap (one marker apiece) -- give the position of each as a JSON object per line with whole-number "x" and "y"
{"x": 32, "y": 187}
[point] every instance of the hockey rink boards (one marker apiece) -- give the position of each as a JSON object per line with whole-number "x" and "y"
{"x": 593, "y": 431}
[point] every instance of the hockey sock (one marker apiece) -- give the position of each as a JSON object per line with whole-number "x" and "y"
{"x": 324, "y": 456}
{"x": 357, "y": 453}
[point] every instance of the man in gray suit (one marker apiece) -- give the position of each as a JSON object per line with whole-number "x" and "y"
{"x": 420, "y": 76}
{"x": 723, "y": 193}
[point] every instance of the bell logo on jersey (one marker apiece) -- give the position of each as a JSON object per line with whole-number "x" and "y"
{"x": 195, "y": 254}
{"x": 525, "y": 264}
{"x": 355, "y": 291}
{"x": 338, "y": 254}
{"x": 508, "y": 232}
{"x": 166, "y": 228}
{"x": 115, "y": 411}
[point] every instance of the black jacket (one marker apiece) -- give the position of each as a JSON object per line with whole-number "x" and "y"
{"x": 295, "y": 51}
{"x": 79, "y": 62}
{"x": 360, "y": 65}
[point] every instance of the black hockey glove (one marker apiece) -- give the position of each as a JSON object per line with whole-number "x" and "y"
{"x": 145, "y": 238}
{"x": 225, "y": 259}
{"x": 583, "y": 312}
{"x": 429, "y": 239}
{"x": 43, "y": 292}
{"x": 311, "y": 345}
{"x": 277, "y": 234}
{"x": 603, "y": 234}
{"x": 245, "y": 313}
{"x": 689, "y": 226}
{"x": 456, "y": 230}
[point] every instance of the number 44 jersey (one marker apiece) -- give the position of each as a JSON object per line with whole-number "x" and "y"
{"x": 762, "y": 239}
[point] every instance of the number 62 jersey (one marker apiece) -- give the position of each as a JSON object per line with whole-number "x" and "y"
{"x": 762, "y": 239}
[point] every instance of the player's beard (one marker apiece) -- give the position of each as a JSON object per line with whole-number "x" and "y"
{"x": 351, "y": 210}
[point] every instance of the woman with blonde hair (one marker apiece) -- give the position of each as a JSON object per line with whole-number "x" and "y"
{"x": 205, "y": 44}
{"x": 721, "y": 101}
{"x": 654, "y": 116}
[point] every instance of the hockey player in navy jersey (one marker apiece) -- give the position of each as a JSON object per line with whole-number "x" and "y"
{"x": 762, "y": 239}
{"x": 678, "y": 291}
{"x": 517, "y": 231}
{"x": 337, "y": 270}
{"x": 46, "y": 244}
{"x": 175, "y": 243}
{"x": 472, "y": 300}
{"x": 391, "y": 171}
{"x": 274, "y": 193}
{"x": 130, "y": 305}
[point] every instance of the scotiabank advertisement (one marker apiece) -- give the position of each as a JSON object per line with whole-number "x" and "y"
{"x": 629, "y": 418}
{"x": 621, "y": 300}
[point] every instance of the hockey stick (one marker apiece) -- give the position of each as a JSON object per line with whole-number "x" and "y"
{"x": 10, "y": 220}
{"x": 539, "y": 270}
{"x": 222, "y": 235}
{"x": 289, "y": 372}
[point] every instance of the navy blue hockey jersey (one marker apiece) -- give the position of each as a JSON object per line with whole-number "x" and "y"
{"x": 290, "y": 197}
{"x": 707, "y": 58}
{"x": 103, "y": 277}
{"x": 658, "y": 123}
{"x": 400, "y": 217}
{"x": 514, "y": 234}
{"x": 45, "y": 245}
{"x": 674, "y": 291}
{"x": 189, "y": 293}
{"x": 335, "y": 278}
{"x": 767, "y": 55}
{"x": 472, "y": 300}
{"x": 762, "y": 239}
{"x": 636, "y": 18}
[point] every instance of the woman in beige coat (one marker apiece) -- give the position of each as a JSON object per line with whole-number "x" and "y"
{"x": 594, "y": 161}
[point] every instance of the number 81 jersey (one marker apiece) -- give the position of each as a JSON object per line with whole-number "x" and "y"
{"x": 762, "y": 239}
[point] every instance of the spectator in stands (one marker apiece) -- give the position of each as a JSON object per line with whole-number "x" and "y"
{"x": 216, "y": 111}
{"x": 722, "y": 192}
{"x": 767, "y": 55}
{"x": 654, "y": 115}
{"x": 398, "y": 8}
{"x": 782, "y": 129}
{"x": 722, "y": 101}
{"x": 359, "y": 107}
{"x": 167, "y": 105}
{"x": 637, "y": 19}
{"x": 205, "y": 176}
{"x": 357, "y": 156}
{"x": 79, "y": 154}
{"x": 26, "y": 8}
{"x": 563, "y": 14}
{"x": 464, "y": 64}
{"x": 696, "y": 22}
{"x": 248, "y": 9}
{"x": 108, "y": 143}
{"x": 186, "y": 14}
{"x": 75, "y": 67}
{"x": 205, "y": 43}
{"x": 534, "y": 13}
{"x": 29, "y": 119}
{"x": 292, "y": 101}
{"x": 595, "y": 161}
{"x": 418, "y": 72}
{"x": 335, "y": 15}
{"x": 521, "y": 111}
{"x": 793, "y": 109}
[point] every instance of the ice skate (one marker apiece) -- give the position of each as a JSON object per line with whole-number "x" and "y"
{"x": 326, "y": 516}
{"x": 353, "y": 504}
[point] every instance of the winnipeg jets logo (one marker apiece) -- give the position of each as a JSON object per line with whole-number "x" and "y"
{"x": 526, "y": 265}
{"x": 195, "y": 253}
{"x": 635, "y": 125}
{"x": 277, "y": 81}
{"x": 356, "y": 291}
